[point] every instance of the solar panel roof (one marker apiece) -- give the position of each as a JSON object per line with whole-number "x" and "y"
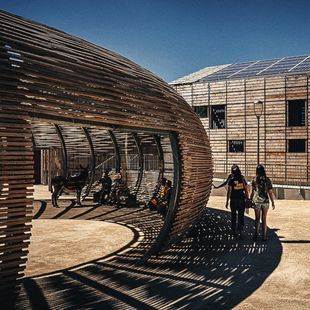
{"x": 285, "y": 65}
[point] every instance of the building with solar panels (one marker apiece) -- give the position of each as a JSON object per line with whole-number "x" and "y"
{"x": 224, "y": 96}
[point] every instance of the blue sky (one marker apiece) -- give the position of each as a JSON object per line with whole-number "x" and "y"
{"x": 173, "y": 38}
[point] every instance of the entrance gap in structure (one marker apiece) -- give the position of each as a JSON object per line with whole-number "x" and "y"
{"x": 141, "y": 160}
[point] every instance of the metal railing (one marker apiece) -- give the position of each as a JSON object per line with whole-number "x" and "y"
{"x": 293, "y": 175}
{"x": 151, "y": 162}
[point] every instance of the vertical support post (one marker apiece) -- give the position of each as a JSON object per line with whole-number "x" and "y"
{"x": 265, "y": 124}
{"x": 64, "y": 151}
{"x": 141, "y": 163}
{"x": 286, "y": 125}
{"x": 192, "y": 94}
{"x": 226, "y": 125}
{"x": 173, "y": 205}
{"x": 209, "y": 108}
{"x": 258, "y": 110}
{"x": 116, "y": 150}
{"x": 160, "y": 156}
{"x": 92, "y": 162}
{"x": 245, "y": 129}
{"x": 307, "y": 124}
{"x": 258, "y": 118}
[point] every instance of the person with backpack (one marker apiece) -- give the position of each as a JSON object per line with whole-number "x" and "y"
{"x": 237, "y": 193}
{"x": 261, "y": 193}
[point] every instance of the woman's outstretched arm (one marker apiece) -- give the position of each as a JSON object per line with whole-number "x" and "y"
{"x": 223, "y": 184}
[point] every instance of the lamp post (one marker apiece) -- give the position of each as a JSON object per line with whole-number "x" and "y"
{"x": 258, "y": 110}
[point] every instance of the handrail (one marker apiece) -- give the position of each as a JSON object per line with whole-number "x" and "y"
{"x": 281, "y": 174}
{"x": 275, "y": 185}
{"x": 104, "y": 162}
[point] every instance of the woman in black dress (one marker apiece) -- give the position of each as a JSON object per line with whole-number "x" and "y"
{"x": 237, "y": 192}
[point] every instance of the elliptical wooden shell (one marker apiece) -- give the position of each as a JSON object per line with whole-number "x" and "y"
{"x": 48, "y": 75}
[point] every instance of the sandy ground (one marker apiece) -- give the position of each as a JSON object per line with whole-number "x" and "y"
{"x": 288, "y": 287}
{"x": 59, "y": 244}
{"x": 41, "y": 192}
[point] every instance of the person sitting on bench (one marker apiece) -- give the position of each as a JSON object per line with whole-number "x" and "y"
{"x": 163, "y": 204}
{"x": 157, "y": 195}
{"x": 119, "y": 190}
{"x": 103, "y": 195}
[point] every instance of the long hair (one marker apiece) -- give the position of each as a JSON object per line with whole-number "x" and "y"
{"x": 260, "y": 174}
{"x": 233, "y": 167}
{"x": 235, "y": 170}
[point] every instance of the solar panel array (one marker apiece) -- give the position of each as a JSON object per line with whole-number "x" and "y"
{"x": 285, "y": 65}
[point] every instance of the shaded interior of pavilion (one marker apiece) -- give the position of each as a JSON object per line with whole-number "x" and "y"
{"x": 142, "y": 159}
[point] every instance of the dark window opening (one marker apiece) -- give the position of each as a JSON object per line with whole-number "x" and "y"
{"x": 218, "y": 117}
{"x": 202, "y": 111}
{"x": 296, "y": 113}
{"x": 236, "y": 146}
{"x": 296, "y": 146}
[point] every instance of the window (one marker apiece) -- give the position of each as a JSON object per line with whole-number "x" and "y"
{"x": 296, "y": 146}
{"x": 296, "y": 110}
{"x": 236, "y": 146}
{"x": 202, "y": 111}
{"x": 218, "y": 117}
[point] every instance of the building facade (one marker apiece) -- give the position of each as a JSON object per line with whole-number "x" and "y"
{"x": 224, "y": 97}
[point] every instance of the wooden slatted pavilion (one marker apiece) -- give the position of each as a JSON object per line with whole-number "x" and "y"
{"x": 54, "y": 85}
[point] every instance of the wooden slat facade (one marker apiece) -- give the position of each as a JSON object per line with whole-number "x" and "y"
{"x": 238, "y": 96}
{"x": 16, "y": 179}
{"x": 49, "y": 76}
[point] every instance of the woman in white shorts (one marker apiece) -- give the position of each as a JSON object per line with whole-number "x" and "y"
{"x": 261, "y": 193}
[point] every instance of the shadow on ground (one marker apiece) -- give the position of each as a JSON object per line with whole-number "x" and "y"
{"x": 207, "y": 269}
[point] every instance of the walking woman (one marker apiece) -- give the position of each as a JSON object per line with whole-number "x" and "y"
{"x": 228, "y": 178}
{"x": 261, "y": 193}
{"x": 237, "y": 192}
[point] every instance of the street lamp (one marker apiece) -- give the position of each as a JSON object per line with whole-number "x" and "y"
{"x": 258, "y": 110}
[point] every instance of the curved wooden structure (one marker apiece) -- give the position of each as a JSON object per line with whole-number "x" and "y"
{"x": 49, "y": 76}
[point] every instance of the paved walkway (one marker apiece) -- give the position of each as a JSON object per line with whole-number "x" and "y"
{"x": 288, "y": 286}
{"x": 208, "y": 269}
